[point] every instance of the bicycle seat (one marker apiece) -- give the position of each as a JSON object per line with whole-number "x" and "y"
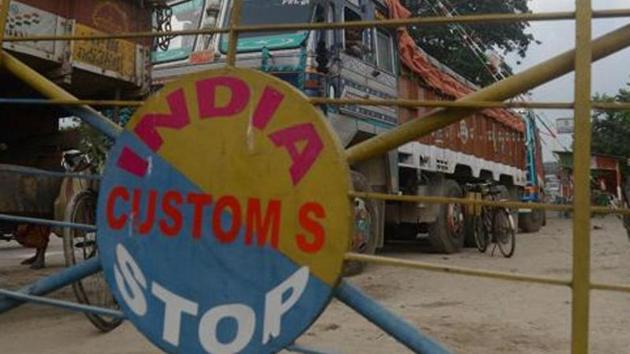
{"x": 482, "y": 188}
{"x": 494, "y": 190}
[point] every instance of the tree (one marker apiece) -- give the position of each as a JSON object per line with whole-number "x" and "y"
{"x": 611, "y": 134}
{"x": 611, "y": 129}
{"x": 451, "y": 44}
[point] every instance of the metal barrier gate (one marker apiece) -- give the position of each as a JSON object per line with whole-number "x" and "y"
{"x": 490, "y": 97}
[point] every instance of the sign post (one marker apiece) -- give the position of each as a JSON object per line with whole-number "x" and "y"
{"x": 565, "y": 125}
{"x": 223, "y": 214}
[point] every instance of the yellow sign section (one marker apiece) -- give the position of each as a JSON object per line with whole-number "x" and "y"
{"x": 260, "y": 152}
{"x": 114, "y": 55}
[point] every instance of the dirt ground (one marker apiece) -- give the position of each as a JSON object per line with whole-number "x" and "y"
{"x": 466, "y": 314}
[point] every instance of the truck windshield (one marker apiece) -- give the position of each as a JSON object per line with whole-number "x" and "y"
{"x": 257, "y": 12}
{"x": 185, "y": 15}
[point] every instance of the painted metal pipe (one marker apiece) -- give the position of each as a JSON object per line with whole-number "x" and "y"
{"x": 445, "y": 268}
{"x": 37, "y": 172}
{"x": 581, "y": 179}
{"x": 119, "y": 35}
{"x": 72, "y": 306}
{"x": 429, "y": 199}
{"x": 502, "y": 90}
{"x": 75, "y": 102}
{"x": 393, "y": 23}
{"x": 235, "y": 19}
{"x": 439, "y": 104}
{"x": 54, "y": 282}
{"x": 398, "y": 328}
{"x": 4, "y": 14}
{"x": 38, "y": 221}
{"x": 51, "y": 90}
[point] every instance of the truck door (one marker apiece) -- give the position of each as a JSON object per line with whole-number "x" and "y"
{"x": 368, "y": 61}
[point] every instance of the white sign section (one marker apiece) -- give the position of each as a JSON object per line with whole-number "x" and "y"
{"x": 565, "y": 125}
{"x": 25, "y": 20}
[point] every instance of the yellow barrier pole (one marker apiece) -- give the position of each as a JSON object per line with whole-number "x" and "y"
{"x": 581, "y": 177}
{"x": 438, "y": 104}
{"x": 504, "y": 89}
{"x": 4, "y": 13}
{"x": 235, "y": 19}
{"x": 444, "y": 268}
{"x": 482, "y": 202}
{"x": 393, "y": 23}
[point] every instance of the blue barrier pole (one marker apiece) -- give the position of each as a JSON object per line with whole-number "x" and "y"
{"x": 398, "y": 328}
{"x": 37, "y": 172}
{"x": 47, "y": 88}
{"x": 72, "y": 306}
{"x": 96, "y": 120}
{"x": 53, "y": 282}
{"x": 38, "y": 221}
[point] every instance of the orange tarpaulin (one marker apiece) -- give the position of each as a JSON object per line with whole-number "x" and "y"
{"x": 417, "y": 61}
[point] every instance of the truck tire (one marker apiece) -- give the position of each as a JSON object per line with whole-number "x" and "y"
{"x": 531, "y": 222}
{"x": 365, "y": 225}
{"x": 446, "y": 234}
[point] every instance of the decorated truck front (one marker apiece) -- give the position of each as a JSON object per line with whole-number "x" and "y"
{"x": 277, "y": 52}
{"x": 363, "y": 64}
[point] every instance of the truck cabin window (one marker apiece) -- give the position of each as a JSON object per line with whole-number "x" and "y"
{"x": 384, "y": 51}
{"x": 353, "y": 37}
{"x": 186, "y": 15}
{"x": 257, "y": 12}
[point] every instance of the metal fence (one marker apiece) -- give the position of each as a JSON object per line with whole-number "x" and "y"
{"x": 587, "y": 51}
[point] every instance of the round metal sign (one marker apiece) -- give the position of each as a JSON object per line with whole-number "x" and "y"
{"x": 223, "y": 214}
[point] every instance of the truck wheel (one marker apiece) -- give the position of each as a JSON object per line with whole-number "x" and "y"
{"x": 447, "y": 232}
{"x": 531, "y": 222}
{"x": 365, "y": 225}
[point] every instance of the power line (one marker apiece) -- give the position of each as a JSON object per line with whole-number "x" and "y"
{"x": 497, "y": 75}
{"x": 468, "y": 39}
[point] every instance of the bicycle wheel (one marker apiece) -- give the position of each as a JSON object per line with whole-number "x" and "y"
{"x": 481, "y": 235}
{"x": 80, "y": 245}
{"x": 504, "y": 233}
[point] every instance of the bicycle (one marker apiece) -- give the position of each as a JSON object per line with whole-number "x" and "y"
{"x": 80, "y": 245}
{"x": 493, "y": 224}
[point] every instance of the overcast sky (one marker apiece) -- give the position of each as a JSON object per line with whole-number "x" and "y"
{"x": 609, "y": 75}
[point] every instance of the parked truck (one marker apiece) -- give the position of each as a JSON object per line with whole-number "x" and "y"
{"x": 377, "y": 64}
{"x": 103, "y": 69}
{"x": 31, "y": 136}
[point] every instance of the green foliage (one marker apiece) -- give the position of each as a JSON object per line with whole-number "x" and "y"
{"x": 94, "y": 143}
{"x": 611, "y": 130}
{"x": 447, "y": 45}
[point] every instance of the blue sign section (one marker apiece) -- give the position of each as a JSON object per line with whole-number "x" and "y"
{"x": 183, "y": 285}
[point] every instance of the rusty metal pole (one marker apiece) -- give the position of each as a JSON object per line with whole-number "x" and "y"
{"x": 581, "y": 176}
{"x": 4, "y": 14}
{"x": 235, "y": 20}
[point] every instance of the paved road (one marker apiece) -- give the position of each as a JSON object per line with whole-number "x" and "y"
{"x": 469, "y": 315}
